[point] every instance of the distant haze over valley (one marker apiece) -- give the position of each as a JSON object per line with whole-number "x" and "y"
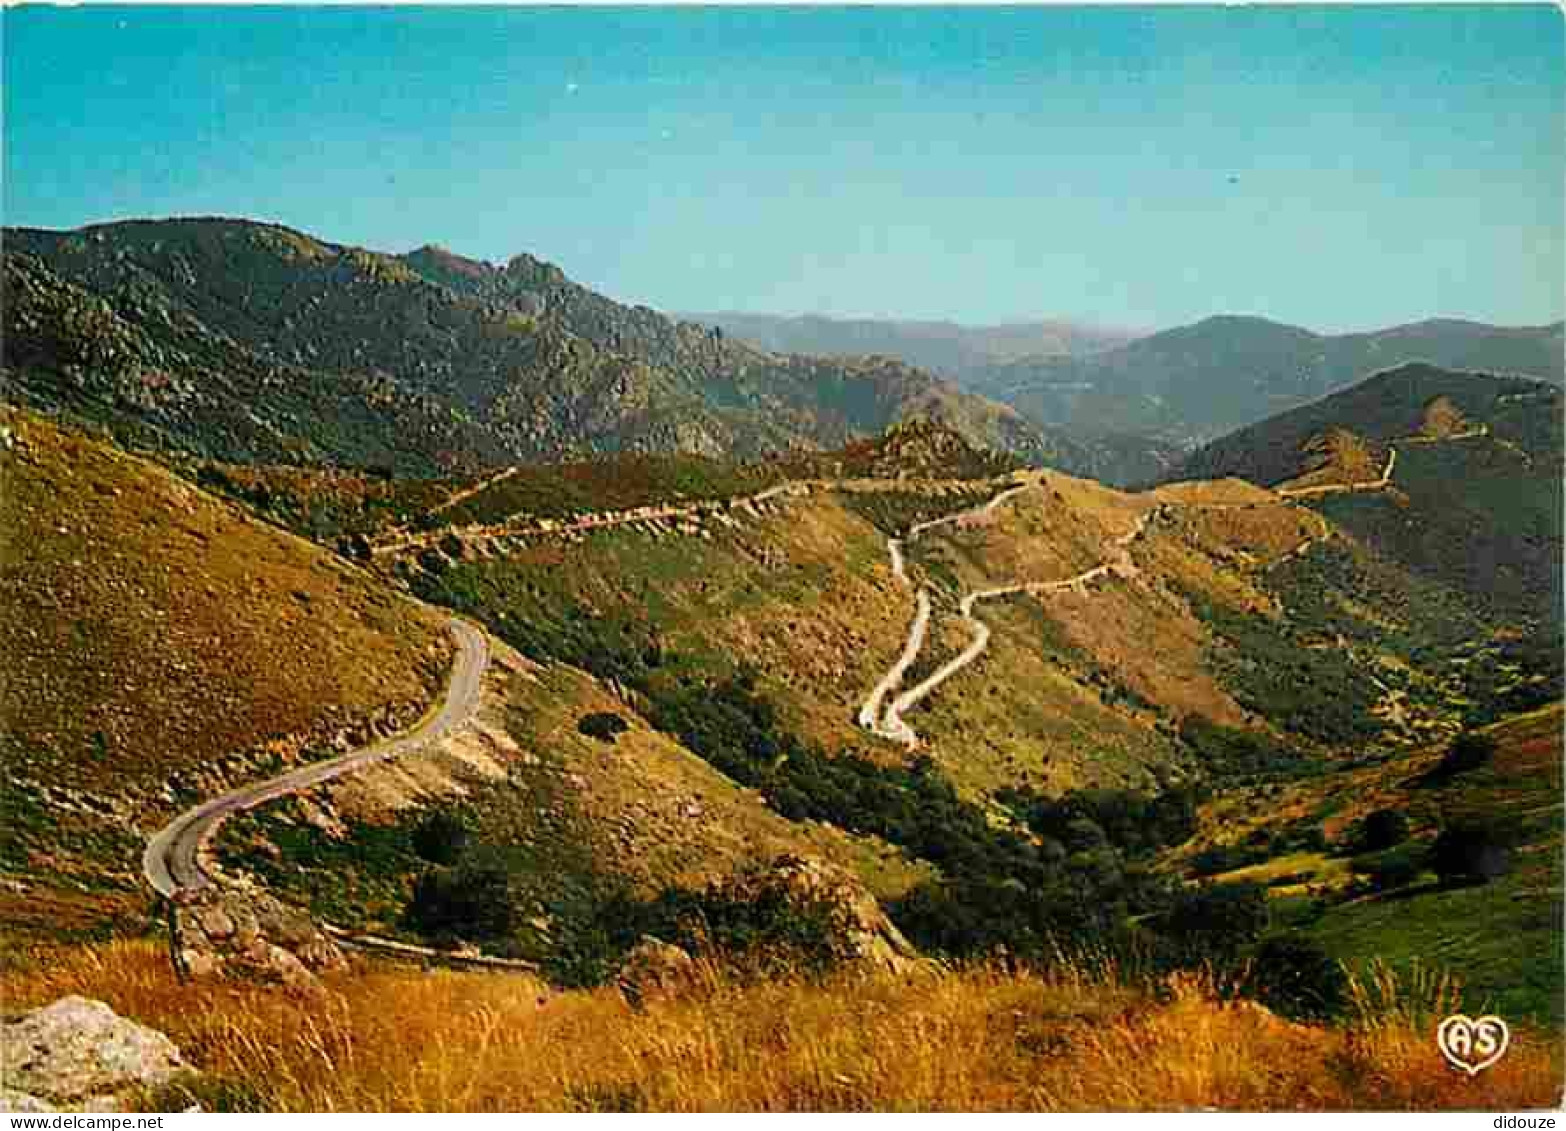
{"x": 946, "y": 347}
{"x": 1178, "y": 386}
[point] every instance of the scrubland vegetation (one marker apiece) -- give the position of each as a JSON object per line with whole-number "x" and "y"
{"x": 1291, "y": 804}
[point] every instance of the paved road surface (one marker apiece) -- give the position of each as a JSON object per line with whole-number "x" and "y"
{"x": 172, "y": 862}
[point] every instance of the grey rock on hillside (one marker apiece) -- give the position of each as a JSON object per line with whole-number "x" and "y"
{"x": 78, "y": 1053}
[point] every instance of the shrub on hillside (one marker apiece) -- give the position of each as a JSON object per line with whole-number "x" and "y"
{"x": 355, "y": 546}
{"x": 1383, "y": 829}
{"x": 473, "y": 900}
{"x": 440, "y": 837}
{"x": 602, "y": 725}
{"x": 1469, "y": 751}
{"x": 1471, "y": 852}
{"x": 1293, "y": 975}
{"x": 1217, "y": 920}
{"x": 756, "y": 920}
{"x": 1232, "y": 752}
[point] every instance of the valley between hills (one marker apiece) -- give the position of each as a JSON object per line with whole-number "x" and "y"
{"x": 546, "y": 668}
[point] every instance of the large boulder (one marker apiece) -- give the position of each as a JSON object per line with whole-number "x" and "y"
{"x": 78, "y": 1053}
{"x": 654, "y": 969}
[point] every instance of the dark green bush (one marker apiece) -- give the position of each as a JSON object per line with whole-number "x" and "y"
{"x": 1471, "y": 852}
{"x": 1293, "y": 975}
{"x": 1387, "y": 871}
{"x": 1231, "y": 752}
{"x": 602, "y": 725}
{"x": 440, "y": 837}
{"x": 749, "y": 921}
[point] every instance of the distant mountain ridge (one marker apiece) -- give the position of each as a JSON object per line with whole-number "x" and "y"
{"x": 1390, "y": 405}
{"x": 948, "y": 348}
{"x": 253, "y": 342}
{"x": 1474, "y": 499}
{"x": 1195, "y": 382}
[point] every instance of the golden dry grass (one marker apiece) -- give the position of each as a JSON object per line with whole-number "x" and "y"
{"x": 980, "y": 1039}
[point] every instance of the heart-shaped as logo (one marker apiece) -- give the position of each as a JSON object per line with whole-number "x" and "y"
{"x": 1473, "y": 1045}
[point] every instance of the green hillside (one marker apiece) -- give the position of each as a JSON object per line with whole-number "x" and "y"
{"x": 1479, "y": 511}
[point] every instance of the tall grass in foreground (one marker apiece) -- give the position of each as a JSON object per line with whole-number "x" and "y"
{"x": 976, "y": 1039}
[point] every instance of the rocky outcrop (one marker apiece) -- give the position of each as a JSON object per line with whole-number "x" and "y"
{"x": 1441, "y": 418}
{"x": 861, "y": 934}
{"x": 78, "y": 1054}
{"x": 654, "y": 969}
{"x": 241, "y": 932}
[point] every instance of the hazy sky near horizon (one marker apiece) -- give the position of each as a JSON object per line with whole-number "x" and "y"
{"x": 1337, "y": 167}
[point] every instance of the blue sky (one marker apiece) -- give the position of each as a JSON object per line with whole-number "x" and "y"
{"x": 1341, "y": 168}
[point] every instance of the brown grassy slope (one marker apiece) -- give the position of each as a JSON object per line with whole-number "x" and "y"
{"x": 1338, "y": 456}
{"x": 975, "y": 1040}
{"x": 655, "y": 814}
{"x": 806, "y": 596}
{"x": 149, "y": 630}
{"x": 661, "y": 816}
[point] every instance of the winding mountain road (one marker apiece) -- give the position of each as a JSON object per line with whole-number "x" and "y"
{"x": 871, "y": 715}
{"x": 1385, "y": 479}
{"x": 402, "y": 541}
{"x": 888, "y": 721}
{"x": 172, "y": 860}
